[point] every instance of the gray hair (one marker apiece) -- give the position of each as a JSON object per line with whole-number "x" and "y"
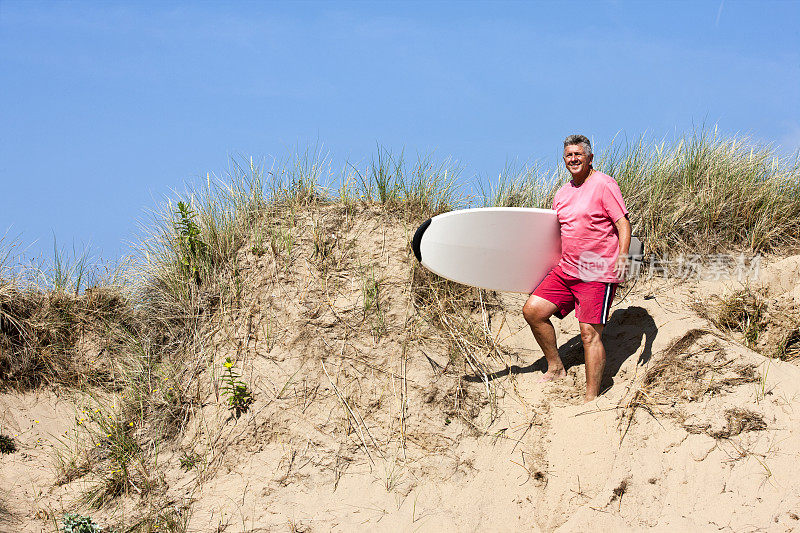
{"x": 580, "y": 140}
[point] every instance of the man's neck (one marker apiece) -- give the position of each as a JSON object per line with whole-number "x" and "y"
{"x": 579, "y": 180}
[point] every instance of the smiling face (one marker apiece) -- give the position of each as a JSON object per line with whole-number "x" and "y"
{"x": 578, "y": 163}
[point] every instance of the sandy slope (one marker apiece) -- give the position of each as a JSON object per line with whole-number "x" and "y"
{"x": 354, "y": 426}
{"x": 37, "y": 421}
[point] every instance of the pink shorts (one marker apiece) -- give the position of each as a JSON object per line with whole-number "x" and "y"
{"x": 591, "y": 300}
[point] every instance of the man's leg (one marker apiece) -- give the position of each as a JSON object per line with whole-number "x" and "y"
{"x": 537, "y": 312}
{"x": 595, "y": 355}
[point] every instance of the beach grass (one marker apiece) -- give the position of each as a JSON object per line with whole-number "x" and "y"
{"x": 699, "y": 194}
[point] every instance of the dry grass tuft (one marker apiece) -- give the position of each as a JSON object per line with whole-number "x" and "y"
{"x": 160, "y": 516}
{"x": 57, "y": 337}
{"x": 782, "y": 337}
{"x": 789, "y": 347}
{"x": 416, "y": 191}
{"x": 110, "y": 453}
{"x": 739, "y": 420}
{"x": 742, "y": 311}
{"x": 460, "y": 316}
{"x": 769, "y": 326}
{"x": 619, "y": 490}
{"x": 685, "y": 372}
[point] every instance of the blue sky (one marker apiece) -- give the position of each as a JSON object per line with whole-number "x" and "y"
{"x": 105, "y": 107}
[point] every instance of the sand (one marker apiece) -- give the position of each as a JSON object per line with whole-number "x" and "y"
{"x": 354, "y": 426}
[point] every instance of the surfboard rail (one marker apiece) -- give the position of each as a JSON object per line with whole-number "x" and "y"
{"x": 417, "y": 240}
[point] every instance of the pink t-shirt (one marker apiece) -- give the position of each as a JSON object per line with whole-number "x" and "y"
{"x": 589, "y": 240}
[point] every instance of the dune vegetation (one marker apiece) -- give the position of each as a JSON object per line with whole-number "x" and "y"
{"x": 284, "y": 258}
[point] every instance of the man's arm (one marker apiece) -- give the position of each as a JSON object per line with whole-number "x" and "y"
{"x": 624, "y": 231}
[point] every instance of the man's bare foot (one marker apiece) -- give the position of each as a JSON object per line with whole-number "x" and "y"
{"x": 552, "y": 375}
{"x": 600, "y": 402}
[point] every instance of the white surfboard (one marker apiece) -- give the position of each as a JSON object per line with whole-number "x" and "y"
{"x": 508, "y": 249}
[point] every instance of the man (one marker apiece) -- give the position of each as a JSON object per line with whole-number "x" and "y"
{"x": 595, "y": 236}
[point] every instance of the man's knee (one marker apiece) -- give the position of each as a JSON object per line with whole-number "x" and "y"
{"x": 590, "y": 333}
{"x": 536, "y": 311}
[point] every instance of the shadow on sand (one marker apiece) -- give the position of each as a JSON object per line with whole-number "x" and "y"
{"x": 622, "y": 337}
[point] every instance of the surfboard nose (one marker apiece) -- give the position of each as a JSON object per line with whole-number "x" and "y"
{"x": 415, "y": 242}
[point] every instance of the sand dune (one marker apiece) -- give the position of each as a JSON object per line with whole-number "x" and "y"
{"x": 364, "y": 419}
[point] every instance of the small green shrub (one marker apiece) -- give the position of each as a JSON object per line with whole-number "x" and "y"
{"x": 191, "y": 248}
{"x": 189, "y": 460}
{"x": 239, "y": 396}
{"x": 370, "y": 291}
{"x": 75, "y": 523}
{"x": 7, "y": 444}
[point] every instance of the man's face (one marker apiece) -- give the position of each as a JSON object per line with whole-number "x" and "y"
{"x": 576, "y": 160}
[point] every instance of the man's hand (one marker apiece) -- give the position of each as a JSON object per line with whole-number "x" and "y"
{"x": 621, "y": 266}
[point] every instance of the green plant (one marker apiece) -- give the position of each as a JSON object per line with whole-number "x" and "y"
{"x": 68, "y": 272}
{"x": 430, "y": 188}
{"x": 297, "y": 180}
{"x": 393, "y": 475}
{"x": 383, "y": 177}
{"x": 191, "y": 248}
{"x": 75, "y": 523}
{"x": 282, "y": 242}
{"x": 371, "y": 297}
{"x": 239, "y": 396}
{"x": 7, "y": 444}
{"x": 522, "y": 186}
{"x": 760, "y": 385}
{"x": 347, "y": 195}
{"x": 258, "y": 247}
{"x": 189, "y": 460}
{"x": 116, "y": 457}
{"x": 323, "y": 242}
{"x": 370, "y": 290}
